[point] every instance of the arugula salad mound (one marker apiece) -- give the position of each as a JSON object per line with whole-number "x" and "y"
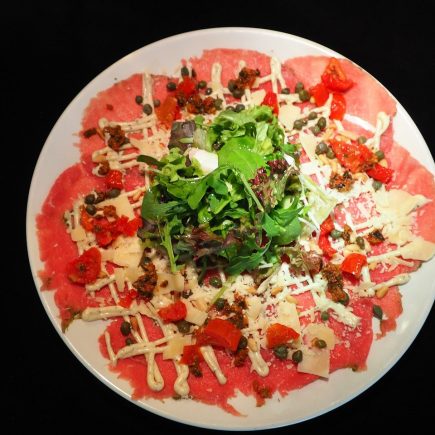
{"x": 228, "y": 195}
{"x": 233, "y": 229}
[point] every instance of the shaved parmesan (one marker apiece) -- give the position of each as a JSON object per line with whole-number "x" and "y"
{"x": 254, "y": 307}
{"x": 418, "y": 249}
{"x": 315, "y": 362}
{"x": 133, "y": 273}
{"x": 257, "y": 97}
{"x": 171, "y": 281}
{"x": 322, "y": 332}
{"x": 288, "y": 114}
{"x": 206, "y": 160}
{"x": 128, "y": 253}
{"x": 309, "y": 144}
{"x": 288, "y": 315}
{"x": 195, "y": 316}
{"x": 397, "y": 202}
{"x": 175, "y": 346}
{"x": 78, "y": 234}
{"x": 122, "y": 205}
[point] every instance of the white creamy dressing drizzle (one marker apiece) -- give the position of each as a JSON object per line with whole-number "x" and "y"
{"x": 210, "y": 359}
{"x": 291, "y": 284}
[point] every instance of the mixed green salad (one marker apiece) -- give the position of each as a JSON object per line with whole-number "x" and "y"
{"x": 229, "y": 193}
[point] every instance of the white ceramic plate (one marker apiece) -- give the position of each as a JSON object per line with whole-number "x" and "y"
{"x": 313, "y": 400}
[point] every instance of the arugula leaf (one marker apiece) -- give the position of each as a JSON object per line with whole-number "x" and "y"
{"x": 154, "y": 210}
{"x": 246, "y": 262}
{"x": 236, "y": 155}
{"x": 150, "y": 161}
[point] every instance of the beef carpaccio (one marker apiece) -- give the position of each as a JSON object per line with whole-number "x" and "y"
{"x": 238, "y": 227}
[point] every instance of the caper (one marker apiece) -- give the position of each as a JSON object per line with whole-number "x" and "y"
{"x": 379, "y": 155}
{"x": 297, "y": 356}
{"x": 377, "y": 312}
{"x": 202, "y": 84}
{"x": 113, "y": 193}
{"x": 193, "y": 73}
{"x": 125, "y": 328}
{"x": 319, "y": 343}
{"x": 315, "y": 129}
{"x": 208, "y": 91}
{"x": 239, "y": 108}
{"x": 360, "y": 242}
{"x": 156, "y": 102}
{"x": 90, "y": 199}
{"x": 376, "y": 185}
{"x": 232, "y": 86}
{"x": 362, "y": 139}
{"x": 218, "y": 103}
{"x": 321, "y": 123}
{"x": 215, "y": 281}
{"x": 281, "y": 351}
{"x": 330, "y": 153}
{"x": 230, "y": 108}
{"x": 312, "y": 115}
{"x": 304, "y": 121}
{"x": 324, "y": 316}
{"x": 321, "y": 148}
{"x": 220, "y": 304}
{"x": 335, "y": 234}
{"x": 285, "y": 91}
{"x": 184, "y": 71}
{"x": 129, "y": 341}
{"x": 243, "y": 342}
{"x": 344, "y": 300}
{"x": 138, "y": 99}
{"x": 91, "y": 209}
{"x": 183, "y": 326}
{"x": 171, "y": 86}
{"x": 298, "y": 124}
{"x": 304, "y": 95}
{"x": 147, "y": 109}
{"x": 238, "y": 93}
{"x": 299, "y": 87}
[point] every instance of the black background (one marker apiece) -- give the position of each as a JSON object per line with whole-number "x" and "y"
{"x": 51, "y": 52}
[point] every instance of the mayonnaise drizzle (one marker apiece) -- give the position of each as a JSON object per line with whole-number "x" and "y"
{"x": 210, "y": 359}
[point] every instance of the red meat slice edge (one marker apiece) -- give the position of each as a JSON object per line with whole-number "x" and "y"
{"x": 364, "y": 100}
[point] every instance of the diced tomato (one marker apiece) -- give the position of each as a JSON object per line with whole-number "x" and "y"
{"x": 127, "y": 298}
{"x": 191, "y": 355}
{"x": 380, "y": 173}
{"x": 187, "y": 86}
{"x": 168, "y": 111}
{"x": 173, "y": 312}
{"x": 353, "y": 264}
{"x": 114, "y": 179}
{"x": 104, "y": 238}
{"x": 86, "y": 268}
{"x": 324, "y": 243}
{"x": 325, "y": 246}
{"x": 338, "y": 107}
{"x": 278, "y": 334}
{"x": 320, "y": 94}
{"x": 127, "y": 227}
{"x": 334, "y": 78}
{"x": 285, "y": 259}
{"x": 271, "y": 100}
{"x": 220, "y": 332}
{"x": 327, "y": 226}
{"x": 86, "y": 221}
{"x": 351, "y": 155}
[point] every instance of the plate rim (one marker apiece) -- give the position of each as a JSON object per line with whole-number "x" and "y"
{"x": 53, "y": 317}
